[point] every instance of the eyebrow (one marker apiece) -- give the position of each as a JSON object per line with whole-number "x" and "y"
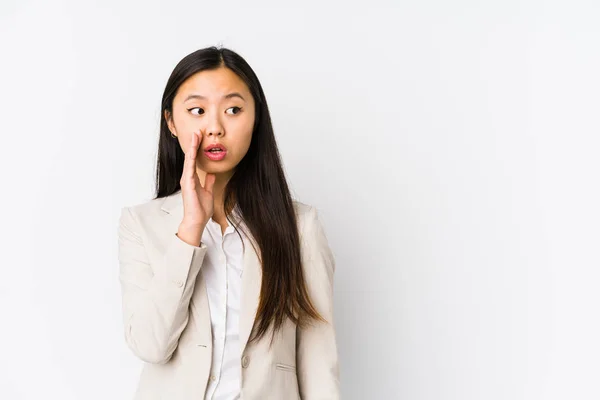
{"x": 227, "y": 96}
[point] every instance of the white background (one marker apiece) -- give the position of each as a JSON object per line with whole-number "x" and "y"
{"x": 451, "y": 149}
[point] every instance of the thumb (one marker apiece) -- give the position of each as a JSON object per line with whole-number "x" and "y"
{"x": 209, "y": 182}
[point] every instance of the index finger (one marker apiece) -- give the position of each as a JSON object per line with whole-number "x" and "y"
{"x": 189, "y": 167}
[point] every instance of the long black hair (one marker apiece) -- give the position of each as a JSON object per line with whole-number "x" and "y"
{"x": 259, "y": 190}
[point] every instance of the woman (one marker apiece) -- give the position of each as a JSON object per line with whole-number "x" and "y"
{"x": 227, "y": 283}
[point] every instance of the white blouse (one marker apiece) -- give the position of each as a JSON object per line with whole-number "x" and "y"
{"x": 222, "y": 269}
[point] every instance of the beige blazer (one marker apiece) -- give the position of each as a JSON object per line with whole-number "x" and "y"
{"x": 167, "y": 320}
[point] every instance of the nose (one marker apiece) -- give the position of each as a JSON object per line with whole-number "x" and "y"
{"x": 213, "y": 126}
{"x": 214, "y": 132}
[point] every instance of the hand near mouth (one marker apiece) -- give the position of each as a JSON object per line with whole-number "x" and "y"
{"x": 198, "y": 200}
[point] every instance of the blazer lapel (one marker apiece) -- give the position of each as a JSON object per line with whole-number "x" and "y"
{"x": 251, "y": 283}
{"x": 251, "y": 279}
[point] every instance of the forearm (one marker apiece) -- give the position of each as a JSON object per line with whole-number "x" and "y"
{"x": 155, "y": 297}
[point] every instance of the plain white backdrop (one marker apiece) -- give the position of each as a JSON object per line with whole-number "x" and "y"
{"x": 451, "y": 148}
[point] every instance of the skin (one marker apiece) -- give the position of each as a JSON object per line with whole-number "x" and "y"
{"x": 215, "y": 119}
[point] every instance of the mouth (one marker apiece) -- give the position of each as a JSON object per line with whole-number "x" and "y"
{"x": 215, "y": 152}
{"x": 215, "y": 148}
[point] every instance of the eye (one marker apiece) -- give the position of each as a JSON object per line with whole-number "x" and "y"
{"x": 196, "y": 108}
{"x": 239, "y": 109}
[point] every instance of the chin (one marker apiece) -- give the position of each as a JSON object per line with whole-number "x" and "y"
{"x": 217, "y": 168}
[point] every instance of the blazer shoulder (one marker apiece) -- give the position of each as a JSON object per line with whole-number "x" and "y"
{"x": 144, "y": 209}
{"x": 306, "y": 214}
{"x": 300, "y": 207}
{"x": 153, "y": 207}
{"x": 303, "y": 210}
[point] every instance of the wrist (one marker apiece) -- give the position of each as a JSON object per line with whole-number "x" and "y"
{"x": 191, "y": 234}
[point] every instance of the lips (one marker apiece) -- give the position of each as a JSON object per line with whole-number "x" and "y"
{"x": 215, "y": 152}
{"x": 214, "y": 147}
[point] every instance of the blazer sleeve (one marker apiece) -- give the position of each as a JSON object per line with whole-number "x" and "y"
{"x": 316, "y": 348}
{"x": 155, "y": 294}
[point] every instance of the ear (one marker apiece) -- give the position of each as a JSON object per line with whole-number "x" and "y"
{"x": 170, "y": 123}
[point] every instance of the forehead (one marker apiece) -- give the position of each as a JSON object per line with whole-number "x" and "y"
{"x": 213, "y": 84}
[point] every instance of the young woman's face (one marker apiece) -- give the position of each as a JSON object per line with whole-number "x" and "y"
{"x": 219, "y": 105}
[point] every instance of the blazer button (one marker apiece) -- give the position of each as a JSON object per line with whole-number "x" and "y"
{"x": 245, "y": 361}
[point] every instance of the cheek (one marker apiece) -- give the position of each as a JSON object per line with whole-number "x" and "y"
{"x": 244, "y": 144}
{"x": 185, "y": 141}
{"x": 243, "y": 138}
